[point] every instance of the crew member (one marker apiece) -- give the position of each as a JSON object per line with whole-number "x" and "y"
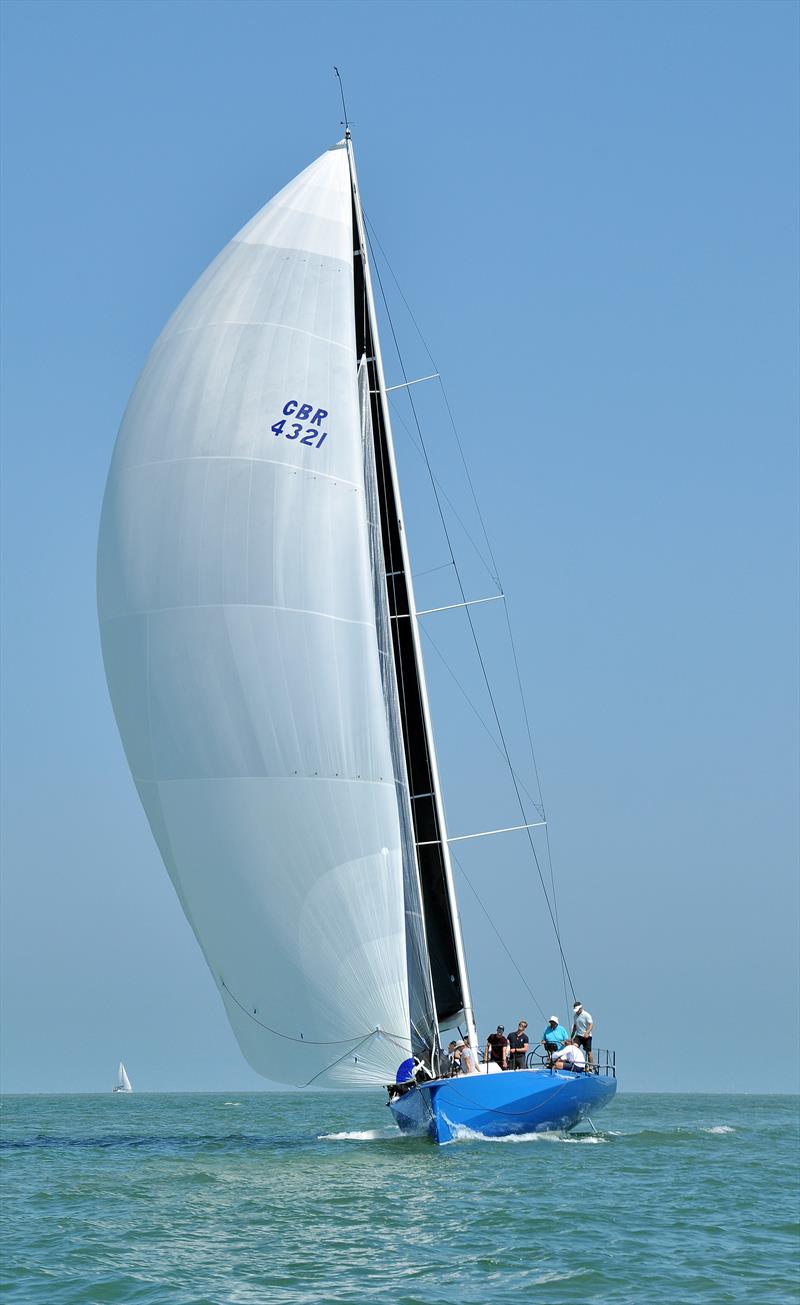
{"x": 469, "y": 1061}
{"x": 554, "y": 1036}
{"x": 447, "y": 1065}
{"x": 518, "y": 1043}
{"x": 582, "y": 1029}
{"x": 497, "y": 1048}
{"x": 570, "y": 1057}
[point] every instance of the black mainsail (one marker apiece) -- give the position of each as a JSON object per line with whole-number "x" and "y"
{"x": 442, "y": 927}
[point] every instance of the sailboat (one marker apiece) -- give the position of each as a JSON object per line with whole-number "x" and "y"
{"x": 123, "y": 1083}
{"x": 262, "y": 651}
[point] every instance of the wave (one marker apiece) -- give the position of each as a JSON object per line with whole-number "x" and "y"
{"x": 362, "y": 1135}
{"x": 681, "y": 1132}
{"x": 464, "y": 1134}
{"x": 555, "y": 1276}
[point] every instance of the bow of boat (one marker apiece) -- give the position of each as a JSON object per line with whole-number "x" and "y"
{"x": 501, "y": 1105}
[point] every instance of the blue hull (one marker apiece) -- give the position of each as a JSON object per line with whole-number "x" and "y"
{"x": 501, "y": 1105}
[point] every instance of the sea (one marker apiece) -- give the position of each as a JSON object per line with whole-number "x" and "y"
{"x": 247, "y": 1198}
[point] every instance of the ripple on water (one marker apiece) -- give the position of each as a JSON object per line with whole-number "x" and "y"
{"x": 681, "y": 1198}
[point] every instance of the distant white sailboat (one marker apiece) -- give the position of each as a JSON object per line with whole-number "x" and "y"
{"x": 123, "y": 1082}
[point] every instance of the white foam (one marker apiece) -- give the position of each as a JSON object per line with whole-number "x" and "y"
{"x": 463, "y": 1134}
{"x": 719, "y": 1128}
{"x": 231, "y": 1103}
{"x": 362, "y": 1135}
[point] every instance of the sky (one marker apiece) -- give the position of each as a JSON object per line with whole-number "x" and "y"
{"x": 592, "y": 211}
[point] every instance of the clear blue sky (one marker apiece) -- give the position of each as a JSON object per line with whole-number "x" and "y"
{"x": 593, "y": 210}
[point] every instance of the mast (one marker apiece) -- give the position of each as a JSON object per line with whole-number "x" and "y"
{"x": 401, "y": 595}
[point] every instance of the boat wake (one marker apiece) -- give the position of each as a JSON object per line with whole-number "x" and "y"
{"x": 463, "y": 1134}
{"x": 682, "y": 1133}
{"x": 363, "y": 1135}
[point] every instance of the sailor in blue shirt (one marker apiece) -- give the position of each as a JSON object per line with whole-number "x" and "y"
{"x": 554, "y": 1036}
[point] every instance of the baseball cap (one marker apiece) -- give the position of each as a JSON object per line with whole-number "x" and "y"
{"x": 553, "y": 1019}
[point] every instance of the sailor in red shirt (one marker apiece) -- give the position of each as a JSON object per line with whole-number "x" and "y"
{"x": 497, "y": 1048}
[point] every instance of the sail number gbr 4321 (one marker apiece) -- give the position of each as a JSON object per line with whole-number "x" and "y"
{"x": 304, "y": 427}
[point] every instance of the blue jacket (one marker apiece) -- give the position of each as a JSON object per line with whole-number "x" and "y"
{"x": 558, "y": 1035}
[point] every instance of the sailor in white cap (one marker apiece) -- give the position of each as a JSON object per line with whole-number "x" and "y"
{"x": 554, "y": 1036}
{"x": 582, "y": 1029}
{"x": 468, "y": 1059}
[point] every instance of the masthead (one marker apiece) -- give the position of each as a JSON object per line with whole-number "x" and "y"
{"x": 345, "y": 121}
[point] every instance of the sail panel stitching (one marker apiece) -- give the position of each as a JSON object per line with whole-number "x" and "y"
{"x": 279, "y": 326}
{"x": 241, "y": 457}
{"x": 267, "y": 607}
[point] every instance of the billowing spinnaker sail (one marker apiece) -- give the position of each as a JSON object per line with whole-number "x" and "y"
{"x": 238, "y": 631}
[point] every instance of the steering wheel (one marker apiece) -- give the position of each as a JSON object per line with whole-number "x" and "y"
{"x": 538, "y": 1056}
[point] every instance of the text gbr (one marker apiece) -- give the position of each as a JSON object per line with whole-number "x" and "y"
{"x": 314, "y": 434}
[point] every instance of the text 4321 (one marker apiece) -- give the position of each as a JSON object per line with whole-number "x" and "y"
{"x": 305, "y": 427}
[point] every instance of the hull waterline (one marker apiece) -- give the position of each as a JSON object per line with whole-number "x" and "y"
{"x": 501, "y": 1105}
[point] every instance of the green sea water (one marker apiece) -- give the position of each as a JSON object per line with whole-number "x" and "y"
{"x": 252, "y": 1198}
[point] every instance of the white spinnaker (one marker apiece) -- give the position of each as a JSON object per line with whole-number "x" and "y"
{"x": 238, "y": 631}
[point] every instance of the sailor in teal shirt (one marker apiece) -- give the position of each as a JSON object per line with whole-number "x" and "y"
{"x": 554, "y": 1036}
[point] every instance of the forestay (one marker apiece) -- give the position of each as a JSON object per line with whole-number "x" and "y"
{"x": 238, "y": 629}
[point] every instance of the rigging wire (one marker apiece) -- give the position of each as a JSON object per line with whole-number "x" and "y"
{"x": 539, "y": 789}
{"x": 491, "y": 567}
{"x": 493, "y": 572}
{"x": 487, "y": 728}
{"x": 475, "y": 501}
{"x": 397, "y": 415}
{"x": 555, "y": 905}
{"x": 523, "y": 701}
{"x": 496, "y": 575}
{"x": 499, "y": 936}
{"x": 417, "y": 575}
{"x": 473, "y": 631}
